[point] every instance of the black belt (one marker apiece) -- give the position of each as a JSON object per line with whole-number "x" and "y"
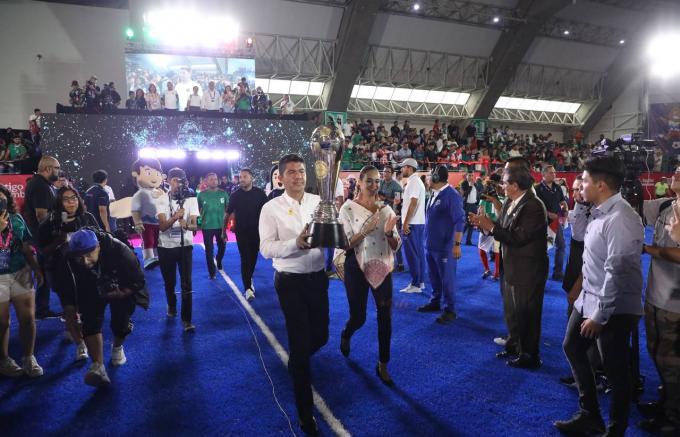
{"x": 294, "y": 275}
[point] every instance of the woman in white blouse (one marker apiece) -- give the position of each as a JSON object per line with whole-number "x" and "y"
{"x": 153, "y": 99}
{"x": 373, "y": 238}
{"x": 228, "y": 100}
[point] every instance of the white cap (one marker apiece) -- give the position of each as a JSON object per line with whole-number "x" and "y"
{"x": 410, "y": 162}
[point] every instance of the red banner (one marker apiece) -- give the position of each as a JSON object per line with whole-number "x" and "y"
{"x": 16, "y": 184}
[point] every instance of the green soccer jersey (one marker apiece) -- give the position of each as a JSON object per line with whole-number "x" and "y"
{"x": 212, "y": 205}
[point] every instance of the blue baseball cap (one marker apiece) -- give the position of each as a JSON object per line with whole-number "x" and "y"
{"x": 82, "y": 242}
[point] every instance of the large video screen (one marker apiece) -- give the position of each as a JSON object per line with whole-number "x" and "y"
{"x": 185, "y": 72}
{"x": 84, "y": 143}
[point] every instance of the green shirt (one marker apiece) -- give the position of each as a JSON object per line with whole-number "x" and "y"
{"x": 16, "y": 150}
{"x": 661, "y": 188}
{"x": 212, "y": 205}
{"x": 20, "y": 234}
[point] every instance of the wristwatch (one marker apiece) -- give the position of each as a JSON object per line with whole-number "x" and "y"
{"x": 456, "y": 243}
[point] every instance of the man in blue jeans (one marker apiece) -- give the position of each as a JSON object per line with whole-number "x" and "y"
{"x": 413, "y": 226}
{"x": 445, "y": 220}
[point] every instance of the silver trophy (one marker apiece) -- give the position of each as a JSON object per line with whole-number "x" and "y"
{"x": 327, "y": 144}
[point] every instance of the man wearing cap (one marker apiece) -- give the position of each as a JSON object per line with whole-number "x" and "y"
{"x": 177, "y": 218}
{"x": 413, "y": 227}
{"x": 105, "y": 272}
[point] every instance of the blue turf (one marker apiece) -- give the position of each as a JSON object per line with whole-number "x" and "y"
{"x": 213, "y": 383}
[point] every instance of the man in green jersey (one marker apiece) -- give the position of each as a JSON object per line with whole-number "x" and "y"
{"x": 212, "y": 203}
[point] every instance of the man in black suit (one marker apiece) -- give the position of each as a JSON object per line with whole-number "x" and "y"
{"x": 522, "y": 232}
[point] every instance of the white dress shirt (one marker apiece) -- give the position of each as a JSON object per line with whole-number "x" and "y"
{"x": 414, "y": 190}
{"x": 578, "y": 219}
{"x": 281, "y": 221}
{"x": 211, "y": 100}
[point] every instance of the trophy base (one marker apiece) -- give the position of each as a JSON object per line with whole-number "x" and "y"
{"x": 327, "y": 235}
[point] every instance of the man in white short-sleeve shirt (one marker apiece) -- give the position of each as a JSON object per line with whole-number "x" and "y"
{"x": 413, "y": 227}
{"x": 175, "y": 244}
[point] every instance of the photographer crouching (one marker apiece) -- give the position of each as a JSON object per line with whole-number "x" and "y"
{"x": 106, "y": 272}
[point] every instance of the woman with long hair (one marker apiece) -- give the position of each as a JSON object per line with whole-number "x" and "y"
{"x": 228, "y": 100}
{"x": 153, "y": 99}
{"x": 17, "y": 288}
{"x": 68, "y": 216}
{"x": 140, "y": 101}
{"x": 371, "y": 230}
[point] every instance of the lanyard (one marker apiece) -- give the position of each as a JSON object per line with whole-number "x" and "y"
{"x": 5, "y": 243}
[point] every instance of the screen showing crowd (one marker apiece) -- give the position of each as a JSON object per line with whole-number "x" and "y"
{"x": 185, "y": 72}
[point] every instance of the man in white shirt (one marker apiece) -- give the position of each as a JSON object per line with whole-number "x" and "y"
{"x": 413, "y": 227}
{"x": 211, "y": 99}
{"x": 170, "y": 99}
{"x": 300, "y": 280}
{"x": 177, "y": 221}
{"x": 185, "y": 87}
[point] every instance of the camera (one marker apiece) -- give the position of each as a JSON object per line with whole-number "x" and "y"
{"x": 182, "y": 192}
{"x": 107, "y": 286}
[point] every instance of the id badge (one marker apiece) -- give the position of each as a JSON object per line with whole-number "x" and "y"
{"x": 4, "y": 259}
{"x": 176, "y": 232}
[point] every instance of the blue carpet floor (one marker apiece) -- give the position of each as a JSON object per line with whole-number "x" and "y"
{"x": 213, "y": 383}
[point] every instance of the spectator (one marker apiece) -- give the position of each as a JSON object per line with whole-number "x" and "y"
{"x": 661, "y": 188}
{"x": 286, "y": 106}
{"x": 404, "y": 153}
{"x": 140, "y": 101}
{"x": 211, "y": 99}
{"x": 17, "y": 150}
{"x": 243, "y": 98}
{"x": 76, "y": 97}
{"x": 259, "y": 101}
{"x": 91, "y": 96}
{"x": 130, "y": 102}
{"x": 153, "y": 99}
{"x": 97, "y": 200}
{"x": 170, "y": 99}
{"x": 110, "y": 98}
{"x": 17, "y": 288}
{"x": 228, "y": 100}
{"x": 194, "y": 101}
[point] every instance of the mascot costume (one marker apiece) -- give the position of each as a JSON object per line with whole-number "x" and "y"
{"x": 149, "y": 177}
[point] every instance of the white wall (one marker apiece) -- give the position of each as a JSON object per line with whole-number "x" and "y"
{"x": 75, "y": 42}
{"x": 623, "y": 117}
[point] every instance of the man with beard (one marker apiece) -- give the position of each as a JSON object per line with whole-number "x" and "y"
{"x": 244, "y": 208}
{"x": 38, "y": 203}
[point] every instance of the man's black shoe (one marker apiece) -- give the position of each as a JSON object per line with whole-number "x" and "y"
{"x": 649, "y": 409}
{"x": 525, "y": 362}
{"x": 49, "y": 314}
{"x": 505, "y": 354}
{"x": 581, "y": 423}
{"x": 219, "y": 265}
{"x": 446, "y": 317}
{"x": 429, "y": 308}
{"x": 569, "y": 381}
{"x": 212, "y": 275}
{"x": 309, "y": 426}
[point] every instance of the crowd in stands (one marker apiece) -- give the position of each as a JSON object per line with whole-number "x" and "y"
{"x": 20, "y": 149}
{"x": 461, "y": 150}
{"x": 184, "y": 94}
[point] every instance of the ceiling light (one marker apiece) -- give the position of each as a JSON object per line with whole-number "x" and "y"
{"x": 416, "y": 7}
{"x": 496, "y": 19}
{"x": 623, "y": 41}
{"x": 566, "y": 32}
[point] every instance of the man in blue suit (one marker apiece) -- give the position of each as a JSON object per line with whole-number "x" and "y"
{"x": 444, "y": 223}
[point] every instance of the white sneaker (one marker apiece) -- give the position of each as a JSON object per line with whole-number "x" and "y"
{"x": 81, "y": 351}
{"x": 250, "y": 294}
{"x": 10, "y": 368}
{"x": 411, "y": 289}
{"x": 97, "y": 376}
{"x": 500, "y": 341}
{"x": 31, "y": 367}
{"x": 118, "y": 357}
{"x": 422, "y": 286}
